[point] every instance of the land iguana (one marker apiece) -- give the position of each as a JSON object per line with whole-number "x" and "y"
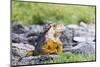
{"x": 49, "y": 41}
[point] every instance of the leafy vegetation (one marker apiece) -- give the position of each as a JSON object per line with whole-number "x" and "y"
{"x": 39, "y": 13}
{"x": 71, "y": 57}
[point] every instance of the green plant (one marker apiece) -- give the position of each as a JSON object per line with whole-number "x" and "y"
{"x": 38, "y": 13}
{"x": 71, "y": 57}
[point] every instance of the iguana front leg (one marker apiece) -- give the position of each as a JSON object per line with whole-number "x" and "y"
{"x": 59, "y": 49}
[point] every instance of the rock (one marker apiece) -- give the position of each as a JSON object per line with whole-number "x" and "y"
{"x": 84, "y": 35}
{"x": 83, "y": 39}
{"x": 92, "y": 30}
{"x": 33, "y": 40}
{"x": 35, "y": 60}
{"x": 36, "y": 28}
{"x": 19, "y": 38}
{"x": 14, "y": 60}
{"x": 83, "y": 32}
{"x": 21, "y": 49}
{"x": 72, "y": 26}
{"x": 31, "y": 33}
{"x": 15, "y": 38}
{"x": 66, "y": 38}
{"x": 19, "y": 29}
{"x": 77, "y": 30}
{"x": 84, "y": 49}
{"x": 25, "y": 61}
{"x": 22, "y": 38}
{"x": 82, "y": 24}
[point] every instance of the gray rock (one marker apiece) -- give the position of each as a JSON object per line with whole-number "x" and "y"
{"x": 19, "y": 29}
{"x": 33, "y": 40}
{"x": 36, "y": 28}
{"x": 84, "y": 49}
{"x": 25, "y": 61}
{"x": 36, "y": 59}
{"x": 82, "y": 24}
{"x": 19, "y": 38}
{"x": 84, "y": 39}
{"x": 14, "y": 60}
{"x": 20, "y": 49}
{"x": 66, "y": 38}
{"x": 15, "y": 38}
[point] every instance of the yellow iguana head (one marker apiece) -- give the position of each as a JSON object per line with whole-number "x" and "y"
{"x": 58, "y": 27}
